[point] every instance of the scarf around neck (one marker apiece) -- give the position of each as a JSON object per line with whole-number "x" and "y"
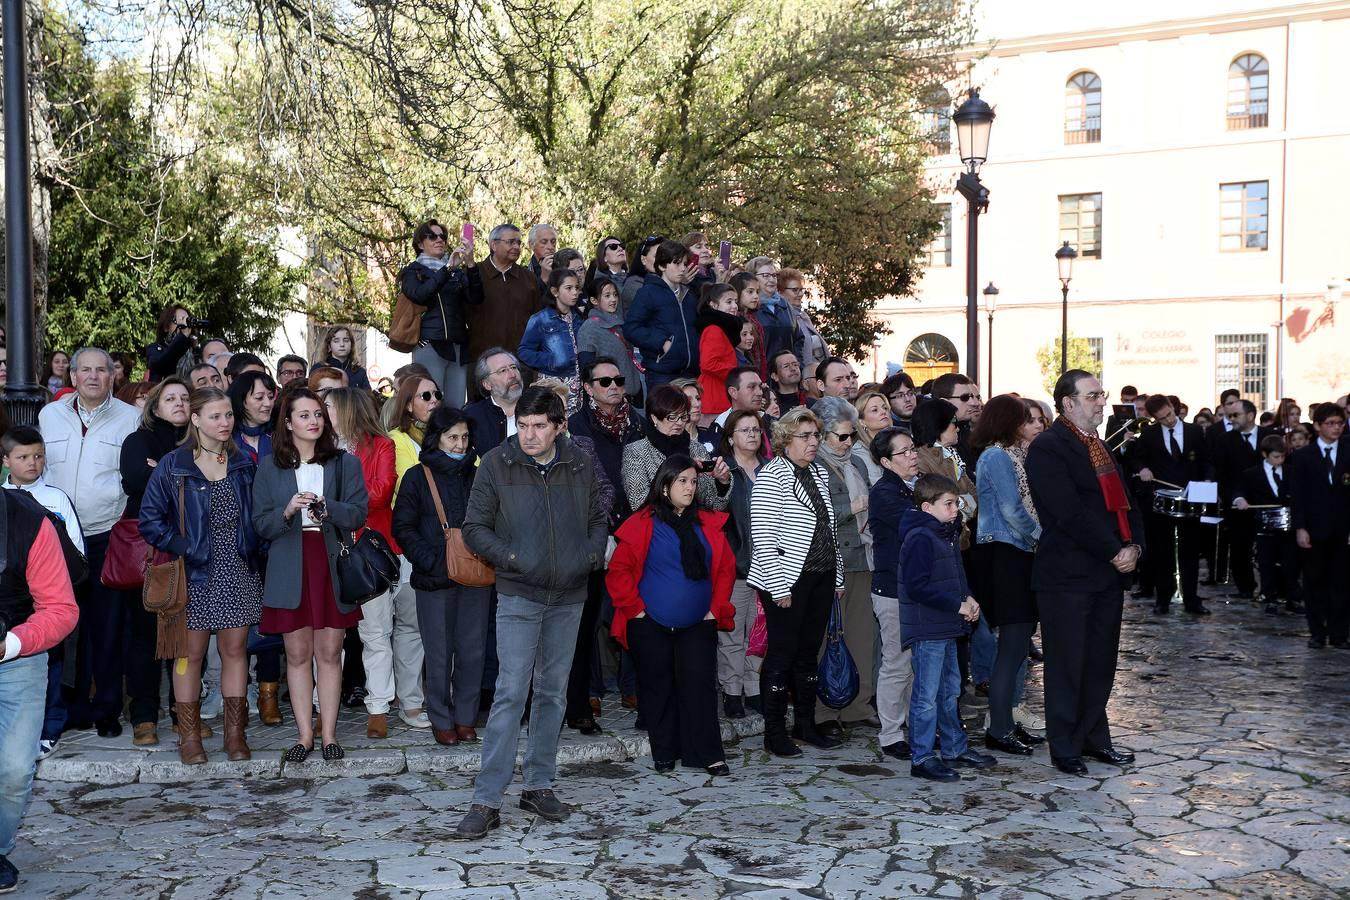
{"x": 1108, "y": 478}
{"x": 434, "y": 263}
{"x": 666, "y": 444}
{"x": 614, "y": 424}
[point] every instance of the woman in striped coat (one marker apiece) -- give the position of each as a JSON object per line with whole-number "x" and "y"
{"x": 795, "y": 566}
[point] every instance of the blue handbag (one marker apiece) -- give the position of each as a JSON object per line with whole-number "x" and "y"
{"x": 838, "y": 684}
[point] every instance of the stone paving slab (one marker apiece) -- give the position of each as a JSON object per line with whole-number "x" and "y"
{"x": 1241, "y": 788}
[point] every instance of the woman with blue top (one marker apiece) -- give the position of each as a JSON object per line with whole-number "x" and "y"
{"x": 671, "y": 579}
{"x": 1006, "y": 543}
{"x": 198, "y": 506}
{"x": 549, "y": 344}
{"x": 252, "y": 394}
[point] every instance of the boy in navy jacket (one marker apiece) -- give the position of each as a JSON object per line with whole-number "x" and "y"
{"x": 936, "y": 608}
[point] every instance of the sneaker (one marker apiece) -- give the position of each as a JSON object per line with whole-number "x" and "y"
{"x": 45, "y": 749}
{"x": 1028, "y": 719}
{"x": 545, "y": 805}
{"x": 354, "y": 698}
{"x": 420, "y": 720}
{"x": 9, "y": 876}
{"x": 213, "y": 704}
{"x": 477, "y": 822}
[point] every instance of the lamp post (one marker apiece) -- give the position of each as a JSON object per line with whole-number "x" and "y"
{"x": 1064, "y": 258}
{"x": 23, "y": 397}
{"x": 990, "y": 302}
{"x": 974, "y": 119}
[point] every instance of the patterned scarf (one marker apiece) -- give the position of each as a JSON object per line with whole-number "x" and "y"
{"x": 1018, "y": 455}
{"x": 614, "y": 424}
{"x": 1108, "y": 478}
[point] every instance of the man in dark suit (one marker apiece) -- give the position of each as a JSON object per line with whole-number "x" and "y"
{"x": 1175, "y": 452}
{"x": 1215, "y": 538}
{"x": 1234, "y": 452}
{"x": 1319, "y": 476}
{"x": 1266, "y": 484}
{"x": 1090, "y": 542}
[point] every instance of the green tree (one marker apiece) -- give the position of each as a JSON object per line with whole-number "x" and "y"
{"x": 1080, "y": 357}
{"x": 135, "y": 229}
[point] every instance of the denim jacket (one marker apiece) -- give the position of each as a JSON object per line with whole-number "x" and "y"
{"x": 547, "y": 347}
{"x": 1003, "y": 515}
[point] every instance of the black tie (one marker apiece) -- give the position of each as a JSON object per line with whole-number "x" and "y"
{"x": 1176, "y": 448}
{"x": 1331, "y": 466}
{"x": 1251, "y": 440}
{"x": 1279, "y": 482}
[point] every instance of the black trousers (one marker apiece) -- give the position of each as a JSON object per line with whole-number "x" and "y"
{"x": 1080, "y": 636}
{"x": 1241, "y": 530}
{"x": 579, "y": 679}
{"x": 101, "y": 656}
{"x": 1324, "y": 588}
{"x": 144, "y": 672}
{"x": 794, "y": 634}
{"x": 1174, "y": 544}
{"x": 677, "y": 690}
{"x": 1277, "y": 558}
{"x": 1013, "y": 641}
{"x": 353, "y": 670}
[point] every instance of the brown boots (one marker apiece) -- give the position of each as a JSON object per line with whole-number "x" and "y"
{"x": 269, "y": 710}
{"x": 377, "y": 725}
{"x": 189, "y": 722}
{"x": 236, "y": 717}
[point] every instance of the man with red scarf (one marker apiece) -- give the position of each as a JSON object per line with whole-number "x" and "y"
{"x": 1091, "y": 539}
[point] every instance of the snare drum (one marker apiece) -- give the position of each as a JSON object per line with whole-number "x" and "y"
{"x": 1193, "y": 510}
{"x": 1271, "y": 521}
{"x": 1169, "y": 502}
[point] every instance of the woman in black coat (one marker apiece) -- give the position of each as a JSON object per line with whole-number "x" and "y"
{"x": 452, "y": 618}
{"x": 174, "y": 342}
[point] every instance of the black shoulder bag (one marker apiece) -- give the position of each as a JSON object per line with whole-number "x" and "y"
{"x": 367, "y": 567}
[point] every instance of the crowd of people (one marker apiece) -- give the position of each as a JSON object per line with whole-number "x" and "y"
{"x": 657, "y": 463}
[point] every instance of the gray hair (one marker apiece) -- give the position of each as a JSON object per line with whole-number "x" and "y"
{"x": 75, "y": 357}
{"x": 500, "y": 231}
{"x": 833, "y": 410}
{"x": 534, "y": 232}
{"x": 220, "y": 360}
{"x": 481, "y": 371}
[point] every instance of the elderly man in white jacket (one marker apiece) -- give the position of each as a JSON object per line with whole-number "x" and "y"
{"x": 84, "y": 437}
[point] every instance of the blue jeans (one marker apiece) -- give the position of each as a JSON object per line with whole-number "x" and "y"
{"x": 983, "y": 646}
{"x": 535, "y": 643}
{"x": 23, "y": 702}
{"x": 932, "y": 705}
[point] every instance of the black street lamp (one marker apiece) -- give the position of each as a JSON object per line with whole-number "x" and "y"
{"x": 974, "y": 119}
{"x": 1064, "y": 258}
{"x": 23, "y": 397}
{"x": 990, "y": 302}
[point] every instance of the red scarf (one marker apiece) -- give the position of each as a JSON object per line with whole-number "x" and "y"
{"x": 1108, "y": 478}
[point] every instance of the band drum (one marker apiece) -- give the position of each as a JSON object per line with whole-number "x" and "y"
{"x": 1270, "y": 521}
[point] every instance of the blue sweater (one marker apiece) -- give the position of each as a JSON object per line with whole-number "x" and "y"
{"x": 932, "y": 580}
{"x": 670, "y": 597}
{"x": 889, "y": 499}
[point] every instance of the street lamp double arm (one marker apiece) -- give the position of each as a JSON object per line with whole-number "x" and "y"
{"x": 974, "y": 120}
{"x": 1064, "y": 258}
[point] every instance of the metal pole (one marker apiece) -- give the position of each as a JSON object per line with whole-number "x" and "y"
{"x": 1064, "y": 333}
{"x": 977, "y": 200}
{"x": 989, "y": 385}
{"x": 23, "y": 397}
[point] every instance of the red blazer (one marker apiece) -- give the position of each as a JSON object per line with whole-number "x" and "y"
{"x": 630, "y": 560}
{"x": 716, "y": 359}
{"x": 377, "y": 467}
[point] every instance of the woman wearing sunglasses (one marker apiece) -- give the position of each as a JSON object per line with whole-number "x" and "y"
{"x": 645, "y": 265}
{"x": 442, "y": 279}
{"x": 849, "y": 490}
{"x": 936, "y": 433}
{"x": 610, "y": 261}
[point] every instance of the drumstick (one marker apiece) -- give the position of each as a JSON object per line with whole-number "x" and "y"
{"x": 1175, "y": 487}
{"x": 1265, "y": 506}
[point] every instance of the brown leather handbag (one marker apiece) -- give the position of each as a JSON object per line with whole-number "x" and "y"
{"x": 461, "y": 564}
{"x": 166, "y": 594}
{"x": 405, "y": 324}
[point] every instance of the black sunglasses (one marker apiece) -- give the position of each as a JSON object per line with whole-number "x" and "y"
{"x": 427, "y": 395}
{"x": 609, "y": 247}
{"x": 843, "y": 437}
{"x": 435, "y": 235}
{"x": 607, "y": 380}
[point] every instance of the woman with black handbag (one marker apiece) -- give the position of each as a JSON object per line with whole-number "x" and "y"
{"x": 308, "y": 498}
{"x": 197, "y": 506}
{"x": 452, "y": 617}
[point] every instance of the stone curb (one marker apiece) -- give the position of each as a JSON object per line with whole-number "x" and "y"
{"x": 161, "y": 766}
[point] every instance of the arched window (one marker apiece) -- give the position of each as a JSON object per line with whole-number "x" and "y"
{"x": 1083, "y": 109}
{"x": 1248, "y": 92}
{"x": 935, "y": 121}
{"x": 928, "y": 356}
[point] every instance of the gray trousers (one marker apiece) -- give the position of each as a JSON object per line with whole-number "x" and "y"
{"x": 895, "y": 681}
{"x": 738, "y": 674}
{"x": 450, "y": 377}
{"x": 453, "y": 623}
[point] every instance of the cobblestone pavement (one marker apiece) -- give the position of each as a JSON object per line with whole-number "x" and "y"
{"x": 1241, "y": 788}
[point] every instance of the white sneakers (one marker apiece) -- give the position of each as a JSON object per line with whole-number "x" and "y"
{"x": 212, "y": 703}
{"x": 1027, "y": 719}
{"x": 45, "y": 749}
{"x": 421, "y": 720}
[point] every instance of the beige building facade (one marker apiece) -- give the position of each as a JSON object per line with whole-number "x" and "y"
{"x": 1198, "y": 165}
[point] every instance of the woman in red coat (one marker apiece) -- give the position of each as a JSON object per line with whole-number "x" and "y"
{"x": 670, "y": 579}
{"x": 719, "y": 333}
{"x": 390, "y": 644}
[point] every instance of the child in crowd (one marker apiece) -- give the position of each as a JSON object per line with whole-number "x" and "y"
{"x": 1264, "y": 485}
{"x": 936, "y": 608}
{"x": 25, "y": 456}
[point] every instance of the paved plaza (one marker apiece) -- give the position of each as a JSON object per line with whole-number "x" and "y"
{"x": 1241, "y": 788}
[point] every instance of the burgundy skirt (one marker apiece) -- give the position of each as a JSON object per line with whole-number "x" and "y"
{"x": 318, "y": 608}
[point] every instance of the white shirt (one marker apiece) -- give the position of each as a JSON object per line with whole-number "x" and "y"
{"x": 55, "y": 501}
{"x": 510, "y": 420}
{"x": 1250, "y": 438}
{"x": 83, "y": 457}
{"x": 1270, "y": 477}
{"x": 309, "y": 477}
{"x": 1322, "y": 448}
